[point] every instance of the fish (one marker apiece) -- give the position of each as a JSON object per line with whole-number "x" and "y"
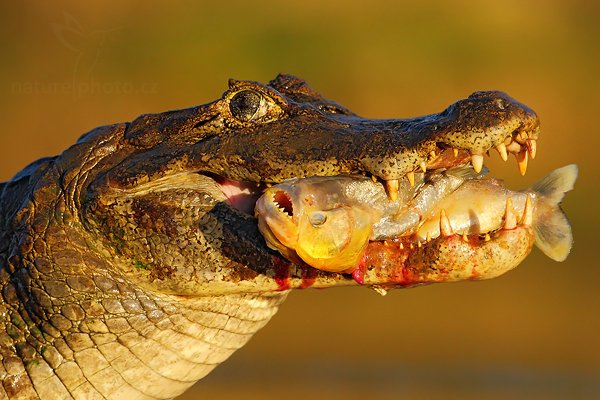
{"x": 478, "y": 206}
{"x": 327, "y": 222}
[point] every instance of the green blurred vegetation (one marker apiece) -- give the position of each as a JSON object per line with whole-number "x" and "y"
{"x": 69, "y": 66}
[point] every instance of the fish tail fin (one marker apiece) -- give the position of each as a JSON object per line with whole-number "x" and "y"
{"x": 551, "y": 227}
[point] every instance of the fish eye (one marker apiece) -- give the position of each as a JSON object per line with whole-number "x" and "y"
{"x": 247, "y": 105}
{"x": 317, "y": 219}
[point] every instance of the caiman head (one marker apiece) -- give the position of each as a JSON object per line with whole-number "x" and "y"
{"x": 132, "y": 264}
{"x": 170, "y": 196}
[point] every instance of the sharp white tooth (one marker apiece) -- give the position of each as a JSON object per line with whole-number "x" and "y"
{"x": 411, "y": 178}
{"x": 527, "y": 218}
{"x": 465, "y": 238}
{"x": 432, "y": 154}
{"x": 455, "y": 151}
{"x": 428, "y": 237}
{"x": 401, "y": 246}
{"x": 477, "y": 161}
{"x": 423, "y": 166}
{"x": 374, "y": 178}
{"x": 419, "y": 243}
{"x": 392, "y": 188}
{"x": 510, "y": 219}
{"x": 522, "y": 158}
{"x": 501, "y": 149}
{"x": 487, "y": 237}
{"x": 531, "y": 147}
{"x": 445, "y": 227}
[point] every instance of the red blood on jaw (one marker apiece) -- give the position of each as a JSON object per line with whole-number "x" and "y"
{"x": 358, "y": 274}
{"x": 309, "y": 276}
{"x": 283, "y": 271}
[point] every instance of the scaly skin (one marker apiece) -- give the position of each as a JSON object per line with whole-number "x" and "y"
{"x": 126, "y": 273}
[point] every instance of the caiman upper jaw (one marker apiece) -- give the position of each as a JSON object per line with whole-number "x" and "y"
{"x": 270, "y": 133}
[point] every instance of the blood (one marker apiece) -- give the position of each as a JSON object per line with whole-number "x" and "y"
{"x": 359, "y": 273}
{"x": 283, "y": 272}
{"x": 389, "y": 260}
{"x": 309, "y": 275}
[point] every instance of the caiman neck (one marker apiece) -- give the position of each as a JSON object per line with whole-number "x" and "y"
{"x": 74, "y": 324}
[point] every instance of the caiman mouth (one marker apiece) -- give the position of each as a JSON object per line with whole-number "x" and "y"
{"x": 404, "y": 201}
{"x": 280, "y": 216}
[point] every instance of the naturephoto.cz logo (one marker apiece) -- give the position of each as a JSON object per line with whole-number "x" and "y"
{"x": 87, "y": 47}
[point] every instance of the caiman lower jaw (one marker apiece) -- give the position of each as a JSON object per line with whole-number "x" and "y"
{"x": 452, "y": 256}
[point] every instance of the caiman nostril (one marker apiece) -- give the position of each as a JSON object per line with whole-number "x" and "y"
{"x": 283, "y": 201}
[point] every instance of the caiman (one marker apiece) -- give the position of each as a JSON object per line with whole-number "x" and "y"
{"x": 131, "y": 265}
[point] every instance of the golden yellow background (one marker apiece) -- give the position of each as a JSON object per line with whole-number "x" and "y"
{"x": 68, "y": 66}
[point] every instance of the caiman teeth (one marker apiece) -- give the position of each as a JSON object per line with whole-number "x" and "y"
{"x": 477, "y": 161}
{"x": 501, "y": 149}
{"x": 455, "y": 152}
{"x": 392, "y": 188}
{"x": 527, "y": 218}
{"x": 445, "y": 227}
{"x": 411, "y": 178}
{"x": 531, "y": 145}
{"x": 522, "y": 158}
{"x": 423, "y": 166}
{"x": 510, "y": 219}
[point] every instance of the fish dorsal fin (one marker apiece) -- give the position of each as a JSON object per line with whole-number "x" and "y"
{"x": 558, "y": 182}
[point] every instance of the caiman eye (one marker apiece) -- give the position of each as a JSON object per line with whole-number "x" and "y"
{"x": 248, "y": 105}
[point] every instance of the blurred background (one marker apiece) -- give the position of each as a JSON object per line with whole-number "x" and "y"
{"x": 68, "y": 66}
